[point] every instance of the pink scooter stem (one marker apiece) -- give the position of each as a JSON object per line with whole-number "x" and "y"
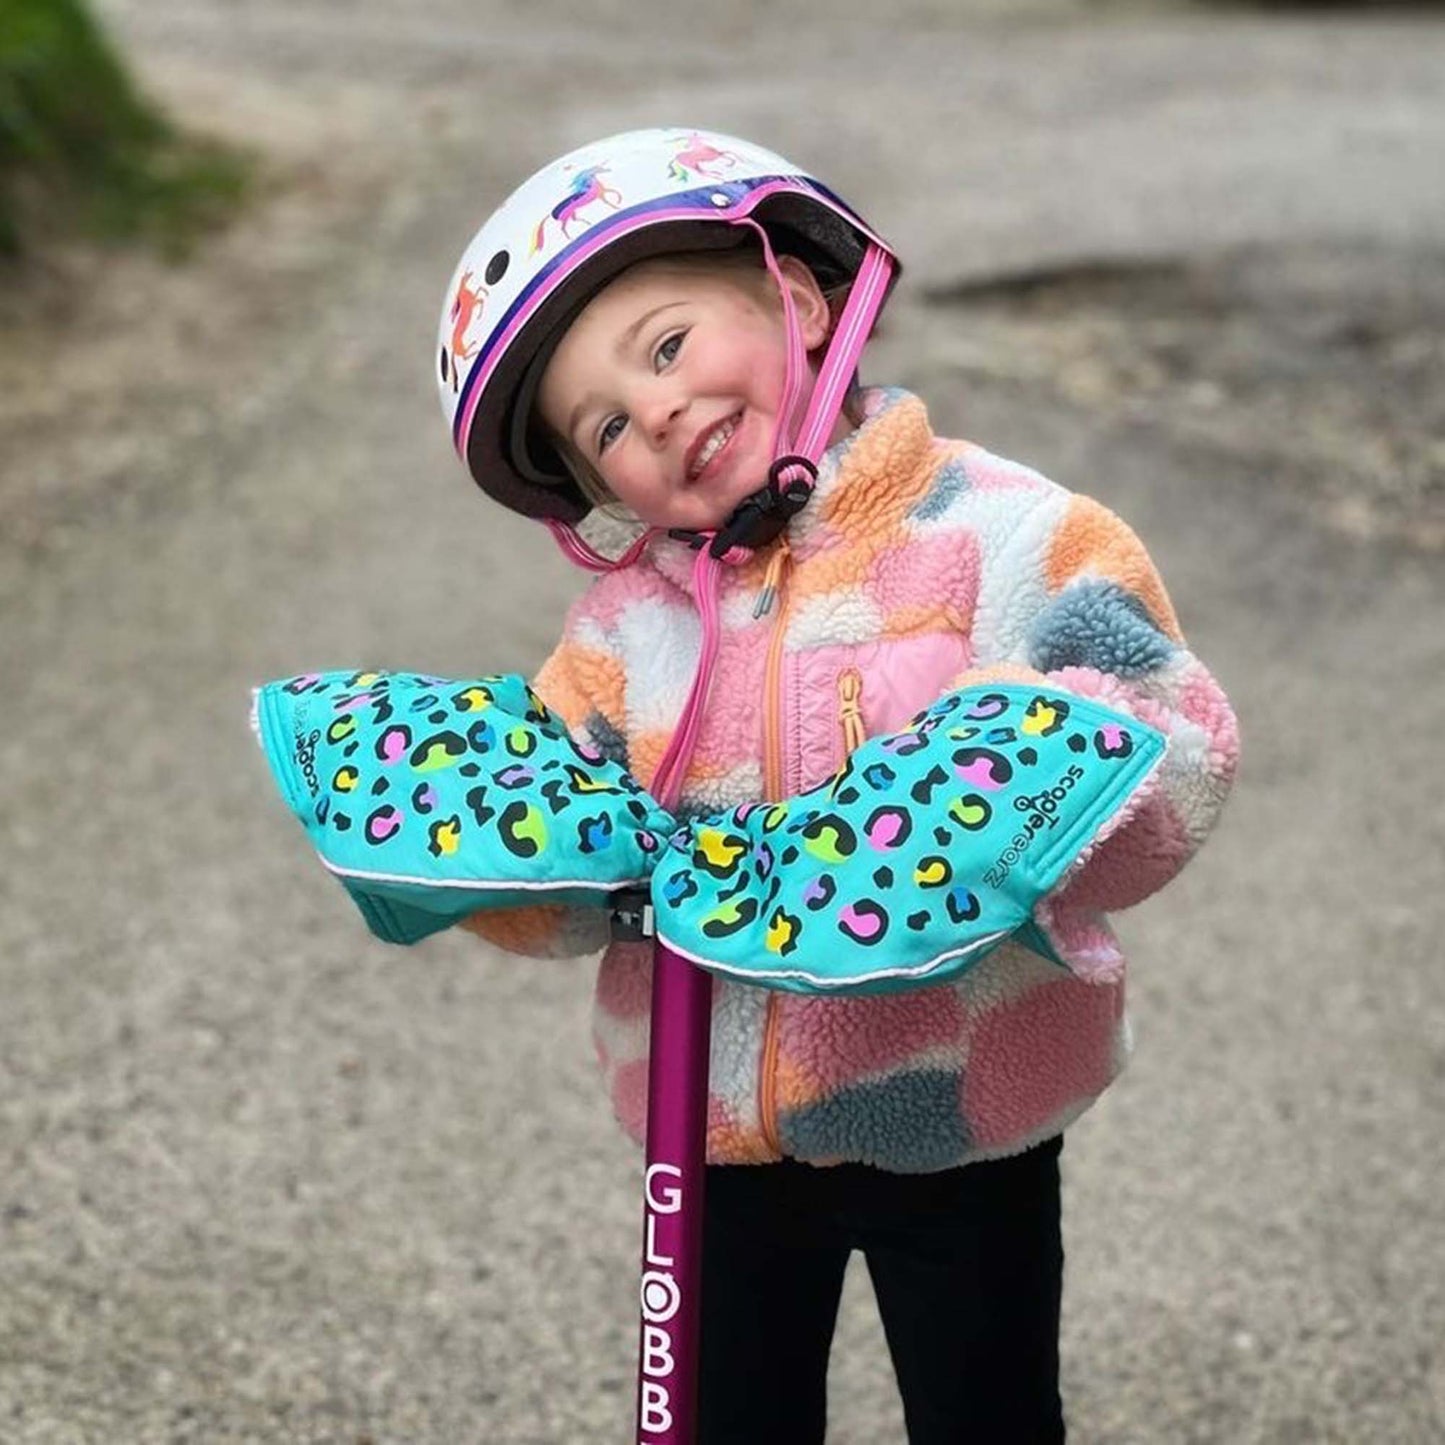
{"x": 677, "y": 1081}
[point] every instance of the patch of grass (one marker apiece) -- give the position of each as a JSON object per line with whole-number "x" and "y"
{"x": 83, "y": 152}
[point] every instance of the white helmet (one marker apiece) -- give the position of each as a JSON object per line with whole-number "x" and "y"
{"x": 567, "y": 231}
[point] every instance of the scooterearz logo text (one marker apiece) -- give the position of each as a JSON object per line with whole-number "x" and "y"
{"x": 1043, "y": 814}
{"x": 306, "y": 757}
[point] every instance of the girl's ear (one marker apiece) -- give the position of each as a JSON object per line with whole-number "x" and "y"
{"x": 814, "y": 319}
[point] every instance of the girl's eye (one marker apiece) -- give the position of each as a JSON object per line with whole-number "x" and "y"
{"x": 666, "y": 353}
{"x": 611, "y": 430}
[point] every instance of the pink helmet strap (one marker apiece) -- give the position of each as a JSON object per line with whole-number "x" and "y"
{"x": 667, "y": 780}
{"x": 796, "y": 361}
{"x": 575, "y": 549}
{"x": 840, "y": 365}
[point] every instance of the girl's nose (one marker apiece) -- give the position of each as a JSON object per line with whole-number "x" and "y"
{"x": 661, "y": 412}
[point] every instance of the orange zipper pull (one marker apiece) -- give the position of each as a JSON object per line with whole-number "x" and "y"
{"x": 850, "y": 710}
{"x": 771, "y": 578}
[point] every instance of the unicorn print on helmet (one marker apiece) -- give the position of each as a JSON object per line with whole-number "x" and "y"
{"x": 701, "y": 156}
{"x": 587, "y": 188}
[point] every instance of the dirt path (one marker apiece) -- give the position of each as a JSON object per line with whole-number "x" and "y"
{"x": 268, "y": 1182}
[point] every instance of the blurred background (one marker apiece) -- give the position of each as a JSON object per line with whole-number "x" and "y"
{"x": 265, "y": 1179}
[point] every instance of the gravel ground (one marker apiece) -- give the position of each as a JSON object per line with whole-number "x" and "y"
{"x": 269, "y": 1181}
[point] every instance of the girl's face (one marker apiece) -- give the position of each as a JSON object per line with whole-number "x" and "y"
{"x": 668, "y": 384}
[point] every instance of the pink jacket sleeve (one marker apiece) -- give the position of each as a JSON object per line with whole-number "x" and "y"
{"x": 1073, "y": 601}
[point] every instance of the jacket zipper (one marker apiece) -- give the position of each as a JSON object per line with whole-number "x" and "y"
{"x": 850, "y": 709}
{"x": 773, "y": 784}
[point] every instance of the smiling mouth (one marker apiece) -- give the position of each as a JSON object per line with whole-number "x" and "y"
{"x": 710, "y": 444}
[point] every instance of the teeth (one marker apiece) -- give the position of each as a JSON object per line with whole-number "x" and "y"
{"x": 712, "y": 446}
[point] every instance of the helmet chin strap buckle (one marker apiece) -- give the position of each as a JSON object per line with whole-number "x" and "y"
{"x": 762, "y": 514}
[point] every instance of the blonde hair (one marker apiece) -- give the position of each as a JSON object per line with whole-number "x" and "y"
{"x": 589, "y": 480}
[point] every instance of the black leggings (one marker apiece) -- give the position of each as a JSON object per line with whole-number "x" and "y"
{"x": 967, "y": 1265}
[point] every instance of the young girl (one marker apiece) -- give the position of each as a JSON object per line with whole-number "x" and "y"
{"x": 666, "y": 326}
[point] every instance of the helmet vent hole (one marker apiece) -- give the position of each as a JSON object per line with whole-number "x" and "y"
{"x": 444, "y": 363}
{"x": 497, "y": 267}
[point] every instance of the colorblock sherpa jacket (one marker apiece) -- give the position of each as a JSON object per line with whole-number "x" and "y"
{"x": 919, "y": 565}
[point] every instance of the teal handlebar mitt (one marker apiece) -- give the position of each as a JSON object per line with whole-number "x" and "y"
{"x": 927, "y": 850}
{"x": 430, "y": 798}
